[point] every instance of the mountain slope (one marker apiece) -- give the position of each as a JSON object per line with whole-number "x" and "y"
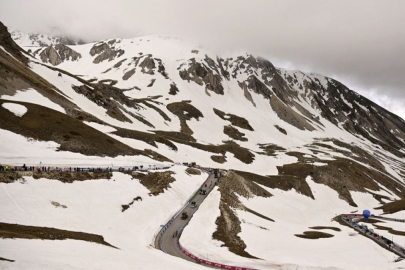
{"x": 282, "y": 135}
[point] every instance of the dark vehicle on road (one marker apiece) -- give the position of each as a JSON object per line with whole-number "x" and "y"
{"x": 184, "y": 215}
{"x": 193, "y": 204}
{"x": 135, "y": 168}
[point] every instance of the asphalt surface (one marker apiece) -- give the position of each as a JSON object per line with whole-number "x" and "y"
{"x": 169, "y": 244}
{"x": 381, "y": 240}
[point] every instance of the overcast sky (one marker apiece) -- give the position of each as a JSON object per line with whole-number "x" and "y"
{"x": 361, "y": 43}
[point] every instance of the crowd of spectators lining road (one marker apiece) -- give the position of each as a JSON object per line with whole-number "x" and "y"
{"x": 73, "y": 169}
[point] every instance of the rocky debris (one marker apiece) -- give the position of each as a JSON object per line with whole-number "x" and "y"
{"x": 173, "y": 89}
{"x": 57, "y": 54}
{"x": 234, "y": 119}
{"x": 185, "y": 112}
{"x": 202, "y": 74}
{"x": 105, "y": 51}
{"x": 10, "y": 46}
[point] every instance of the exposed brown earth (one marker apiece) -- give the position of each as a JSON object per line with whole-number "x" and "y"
{"x": 8, "y": 230}
{"x": 156, "y": 182}
{"x": 44, "y": 124}
{"x": 228, "y": 224}
{"x": 193, "y": 171}
{"x": 9, "y": 177}
{"x": 393, "y": 207}
{"x": 271, "y": 149}
{"x": 314, "y": 235}
{"x": 234, "y": 119}
{"x": 279, "y": 181}
{"x": 282, "y": 130}
{"x": 7, "y": 260}
{"x": 202, "y": 74}
{"x": 126, "y": 206}
{"x": 149, "y": 138}
{"x": 325, "y": 228}
{"x": 10, "y": 46}
{"x": 173, "y": 89}
{"x": 185, "y": 112}
{"x": 390, "y": 230}
{"x": 287, "y": 114}
{"x": 70, "y": 177}
{"x": 218, "y": 159}
{"x": 175, "y": 135}
{"x": 234, "y": 133}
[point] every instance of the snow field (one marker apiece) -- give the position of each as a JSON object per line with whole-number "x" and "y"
{"x": 93, "y": 206}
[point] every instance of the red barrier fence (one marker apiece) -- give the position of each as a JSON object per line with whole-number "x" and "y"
{"x": 223, "y": 266}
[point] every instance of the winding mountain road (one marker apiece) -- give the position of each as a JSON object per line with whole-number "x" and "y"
{"x": 165, "y": 240}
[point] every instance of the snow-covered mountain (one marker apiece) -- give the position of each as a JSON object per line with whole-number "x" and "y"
{"x": 299, "y": 148}
{"x": 40, "y": 40}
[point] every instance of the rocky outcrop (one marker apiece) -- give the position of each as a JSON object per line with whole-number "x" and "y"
{"x": 203, "y": 74}
{"x": 59, "y": 53}
{"x": 105, "y": 51}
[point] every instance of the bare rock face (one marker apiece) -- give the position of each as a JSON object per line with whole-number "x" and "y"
{"x": 148, "y": 65}
{"x": 105, "y": 51}
{"x": 58, "y": 54}
{"x": 207, "y": 74}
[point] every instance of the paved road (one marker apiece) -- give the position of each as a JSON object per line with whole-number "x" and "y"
{"x": 379, "y": 239}
{"x": 167, "y": 242}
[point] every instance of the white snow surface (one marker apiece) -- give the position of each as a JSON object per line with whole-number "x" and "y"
{"x": 275, "y": 242}
{"x": 32, "y": 96}
{"x": 93, "y": 206}
{"x": 17, "y": 109}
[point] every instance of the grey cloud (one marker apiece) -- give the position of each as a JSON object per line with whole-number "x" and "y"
{"x": 360, "y": 43}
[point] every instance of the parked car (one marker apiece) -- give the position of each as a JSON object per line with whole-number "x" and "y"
{"x": 193, "y": 204}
